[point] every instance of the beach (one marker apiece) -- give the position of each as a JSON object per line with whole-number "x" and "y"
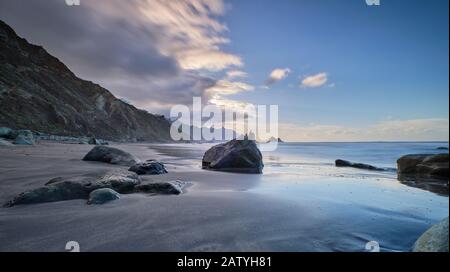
{"x": 300, "y": 203}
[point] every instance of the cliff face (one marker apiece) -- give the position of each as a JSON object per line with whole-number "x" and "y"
{"x": 39, "y": 92}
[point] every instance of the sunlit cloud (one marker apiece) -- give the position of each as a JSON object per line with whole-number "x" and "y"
{"x": 236, "y": 74}
{"x": 277, "y": 75}
{"x": 315, "y": 81}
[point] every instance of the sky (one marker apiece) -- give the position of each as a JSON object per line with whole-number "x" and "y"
{"x": 339, "y": 70}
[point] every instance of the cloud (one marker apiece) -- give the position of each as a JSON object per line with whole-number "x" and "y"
{"x": 224, "y": 87}
{"x": 236, "y": 74}
{"x": 153, "y": 53}
{"x": 391, "y": 130}
{"x": 315, "y": 81}
{"x": 277, "y": 75}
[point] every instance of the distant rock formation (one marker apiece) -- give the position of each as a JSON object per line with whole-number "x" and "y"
{"x": 39, "y": 93}
{"x": 241, "y": 156}
{"x": 273, "y": 139}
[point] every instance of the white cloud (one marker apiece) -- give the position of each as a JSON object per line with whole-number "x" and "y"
{"x": 391, "y": 130}
{"x": 315, "y": 81}
{"x": 236, "y": 74}
{"x": 225, "y": 87}
{"x": 277, "y": 75}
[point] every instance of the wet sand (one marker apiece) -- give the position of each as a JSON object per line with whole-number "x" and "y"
{"x": 219, "y": 212}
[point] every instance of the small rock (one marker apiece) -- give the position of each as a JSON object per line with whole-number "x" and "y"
{"x": 24, "y": 137}
{"x": 434, "y": 239}
{"x": 148, "y": 168}
{"x": 101, "y": 196}
{"x": 343, "y": 163}
{"x": 5, "y": 132}
{"x": 111, "y": 155}
{"x": 167, "y": 188}
{"x": 94, "y": 141}
{"x": 5, "y": 143}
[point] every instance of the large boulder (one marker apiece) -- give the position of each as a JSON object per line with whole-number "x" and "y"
{"x": 101, "y": 196}
{"x": 149, "y": 168}
{"x": 241, "y": 156}
{"x": 111, "y": 155}
{"x": 434, "y": 239}
{"x": 78, "y": 187}
{"x": 343, "y": 163}
{"x": 23, "y": 137}
{"x": 424, "y": 165}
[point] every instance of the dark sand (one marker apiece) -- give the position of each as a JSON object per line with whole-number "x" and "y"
{"x": 219, "y": 212}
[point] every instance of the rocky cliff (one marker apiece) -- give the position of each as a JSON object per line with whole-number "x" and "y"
{"x": 40, "y": 93}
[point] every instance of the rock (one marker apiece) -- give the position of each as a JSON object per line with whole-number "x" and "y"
{"x": 101, "y": 196}
{"x": 5, "y": 143}
{"x": 273, "y": 139}
{"x": 167, "y": 188}
{"x": 343, "y": 163}
{"x": 24, "y": 137}
{"x": 5, "y": 132}
{"x": 148, "y": 168}
{"x": 56, "y": 192}
{"x": 111, "y": 155}
{"x": 93, "y": 141}
{"x": 78, "y": 187}
{"x": 424, "y": 165}
{"x": 434, "y": 239}
{"x": 241, "y": 156}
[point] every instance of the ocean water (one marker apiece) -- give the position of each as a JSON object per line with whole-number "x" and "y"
{"x": 338, "y": 209}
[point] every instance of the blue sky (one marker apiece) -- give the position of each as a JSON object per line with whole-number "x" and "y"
{"x": 339, "y": 70}
{"x": 386, "y": 62}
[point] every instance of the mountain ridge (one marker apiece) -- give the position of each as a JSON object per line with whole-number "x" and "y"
{"x": 39, "y": 92}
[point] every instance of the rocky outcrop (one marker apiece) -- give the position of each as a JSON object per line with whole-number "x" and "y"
{"x": 79, "y": 187}
{"x": 38, "y": 92}
{"x": 424, "y": 166}
{"x": 434, "y": 239}
{"x": 101, "y": 196}
{"x": 343, "y": 163}
{"x": 241, "y": 156}
{"x": 111, "y": 155}
{"x": 23, "y": 137}
{"x": 149, "y": 167}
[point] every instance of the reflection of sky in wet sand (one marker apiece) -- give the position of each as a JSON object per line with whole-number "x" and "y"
{"x": 345, "y": 206}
